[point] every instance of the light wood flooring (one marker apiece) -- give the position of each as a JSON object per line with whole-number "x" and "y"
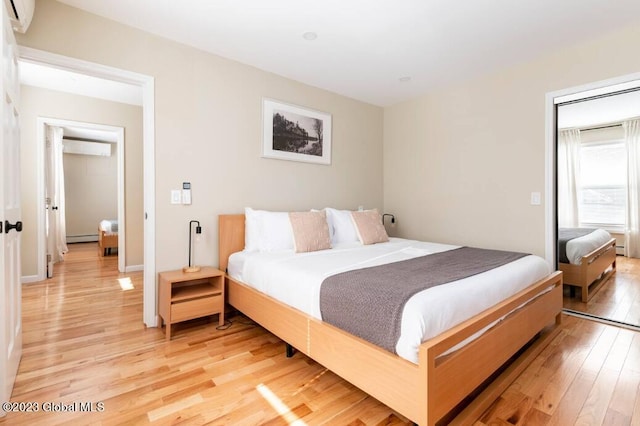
{"x": 618, "y": 299}
{"x": 84, "y": 342}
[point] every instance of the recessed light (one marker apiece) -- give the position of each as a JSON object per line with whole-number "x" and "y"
{"x": 310, "y": 35}
{"x": 404, "y": 79}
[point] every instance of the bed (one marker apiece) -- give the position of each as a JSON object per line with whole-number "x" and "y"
{"x": 587, "y": 257}
{"x": 444, "y": 377}
{"x": 107, "y": 236}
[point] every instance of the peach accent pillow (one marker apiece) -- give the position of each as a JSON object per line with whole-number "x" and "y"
{"x": 369, "y": 227}
{"x": 310, "y": 231}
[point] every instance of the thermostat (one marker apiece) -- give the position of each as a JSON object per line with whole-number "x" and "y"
{"x": 186, "y": 192}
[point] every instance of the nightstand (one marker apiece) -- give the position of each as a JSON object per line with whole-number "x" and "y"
{"x": 188, "y": 295}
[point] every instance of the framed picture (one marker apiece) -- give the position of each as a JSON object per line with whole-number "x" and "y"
{"x": 295, "y": 133}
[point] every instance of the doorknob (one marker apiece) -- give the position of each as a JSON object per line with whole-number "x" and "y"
{"x": 8, "y": 226}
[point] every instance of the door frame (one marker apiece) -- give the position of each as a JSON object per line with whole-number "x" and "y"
{"x": 42, "y": 122}
{"x": 147, "y": 83}
{"x": 552, "y": 99}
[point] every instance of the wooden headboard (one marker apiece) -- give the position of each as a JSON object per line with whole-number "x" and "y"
{"x": 230, "y": 237}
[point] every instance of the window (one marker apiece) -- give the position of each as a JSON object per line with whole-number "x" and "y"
{"x": 602, "y": 196}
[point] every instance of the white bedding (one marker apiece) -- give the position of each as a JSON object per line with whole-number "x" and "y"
{"x": 295, "y": 279}
{"x": 581, "y": 246}
{"x": 110, "y": 227}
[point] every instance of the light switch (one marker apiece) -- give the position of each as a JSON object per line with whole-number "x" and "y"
{"x": 176, "y": 196}
{"x": 535, "y": 198}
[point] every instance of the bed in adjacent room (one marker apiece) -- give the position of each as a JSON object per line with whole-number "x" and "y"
{"x": 587, "y": 257}
{"x": 422, "y": 358}
{"x": 107, "y": 236}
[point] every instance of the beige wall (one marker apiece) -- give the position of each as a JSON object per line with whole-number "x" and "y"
{"x": 460, "y": 164}
{"x": 91, "y": 191}
{"x": 36, "y": 102}
{"x": 208, "y": 130}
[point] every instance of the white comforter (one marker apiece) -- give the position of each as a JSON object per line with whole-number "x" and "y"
{"x": 581, "y": 246}
{"x": 295, "y": 279}
{"x": 110, "y": 227}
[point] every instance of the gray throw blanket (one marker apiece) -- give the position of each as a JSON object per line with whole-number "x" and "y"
{"x": 369, "y": 302}
{"x": 114, "y": 225}
{"x": 567, "y": 234}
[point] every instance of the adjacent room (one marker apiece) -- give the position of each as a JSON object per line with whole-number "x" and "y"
{"x": 598, "y": 203}
{"x": 320, "y": 213}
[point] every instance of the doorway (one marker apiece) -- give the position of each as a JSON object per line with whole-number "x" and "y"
{"x": 584, "y": 127}
{"x": 146, "y": 83}
{"x": 77, "y": 132}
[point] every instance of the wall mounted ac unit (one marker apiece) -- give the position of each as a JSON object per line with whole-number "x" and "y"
{"x": 20, "y": 13}
{"x": 72, "y": 146}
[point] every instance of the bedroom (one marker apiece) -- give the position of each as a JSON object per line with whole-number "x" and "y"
{"x": 90, "y": 190}
{"x": 596, "y": 142}
{"x": 461, "y": 131}
{"x": 51, "y": 99}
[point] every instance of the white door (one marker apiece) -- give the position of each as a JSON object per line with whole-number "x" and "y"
{"x": 55, "y": 234}
{"x": 10, "y": 287}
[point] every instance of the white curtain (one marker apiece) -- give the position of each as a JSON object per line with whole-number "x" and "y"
{"x": 568, "y": 177}
{"x": 632, "y": 142}
{"x": 55, "y": 196}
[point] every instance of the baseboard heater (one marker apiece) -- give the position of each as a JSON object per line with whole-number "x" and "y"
{"x": 89, "y": 238}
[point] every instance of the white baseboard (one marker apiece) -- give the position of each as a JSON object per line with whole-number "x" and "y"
{"x": 134, "y": 268}
{"x": 82, "y": 239}
{"x": 34, "y": 278}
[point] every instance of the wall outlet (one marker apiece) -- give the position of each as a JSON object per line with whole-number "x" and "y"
{"x": 535, "y": 198}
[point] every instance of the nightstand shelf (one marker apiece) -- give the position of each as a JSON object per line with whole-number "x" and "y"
{"x": 193, "y": 291}
{"x": 188, "y": 295}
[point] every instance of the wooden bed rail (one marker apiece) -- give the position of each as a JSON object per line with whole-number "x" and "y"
{"x": 510, "y": 328}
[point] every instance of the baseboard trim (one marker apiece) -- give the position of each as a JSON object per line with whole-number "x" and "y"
{"x": 29, "y": 279}
{"x": 82, "y": 239}
{"x": 134, "y": 268}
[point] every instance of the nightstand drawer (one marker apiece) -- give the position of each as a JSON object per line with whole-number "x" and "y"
{"x": 195, "y": 308}
{"x": 188, "y": 295}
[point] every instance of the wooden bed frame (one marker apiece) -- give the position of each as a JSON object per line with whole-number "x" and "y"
{"x": 593, "y": 270}
{"x": 427, "y": 392}
{"x": 106, "y": 241}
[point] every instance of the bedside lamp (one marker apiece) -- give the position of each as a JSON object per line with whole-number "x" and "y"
{"x": 191, "y": 268}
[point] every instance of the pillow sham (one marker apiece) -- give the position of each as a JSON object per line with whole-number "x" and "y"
{"x": 251, "y": 231}
{"x": 310, "y": 231}
{"x": 267, "y": 231}
{"x": 341, "y": 226}
{"x": 369, "y": 227}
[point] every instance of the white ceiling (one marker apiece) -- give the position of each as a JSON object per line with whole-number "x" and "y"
{"x": 364, "y": 47}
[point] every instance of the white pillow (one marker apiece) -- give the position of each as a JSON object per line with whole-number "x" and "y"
{"x": 267, "y": 231}
{"x": 251, "y": 231}
{"x": 341, "y": 226}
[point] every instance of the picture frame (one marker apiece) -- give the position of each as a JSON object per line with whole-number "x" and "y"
{"x": 295, "y": 133}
